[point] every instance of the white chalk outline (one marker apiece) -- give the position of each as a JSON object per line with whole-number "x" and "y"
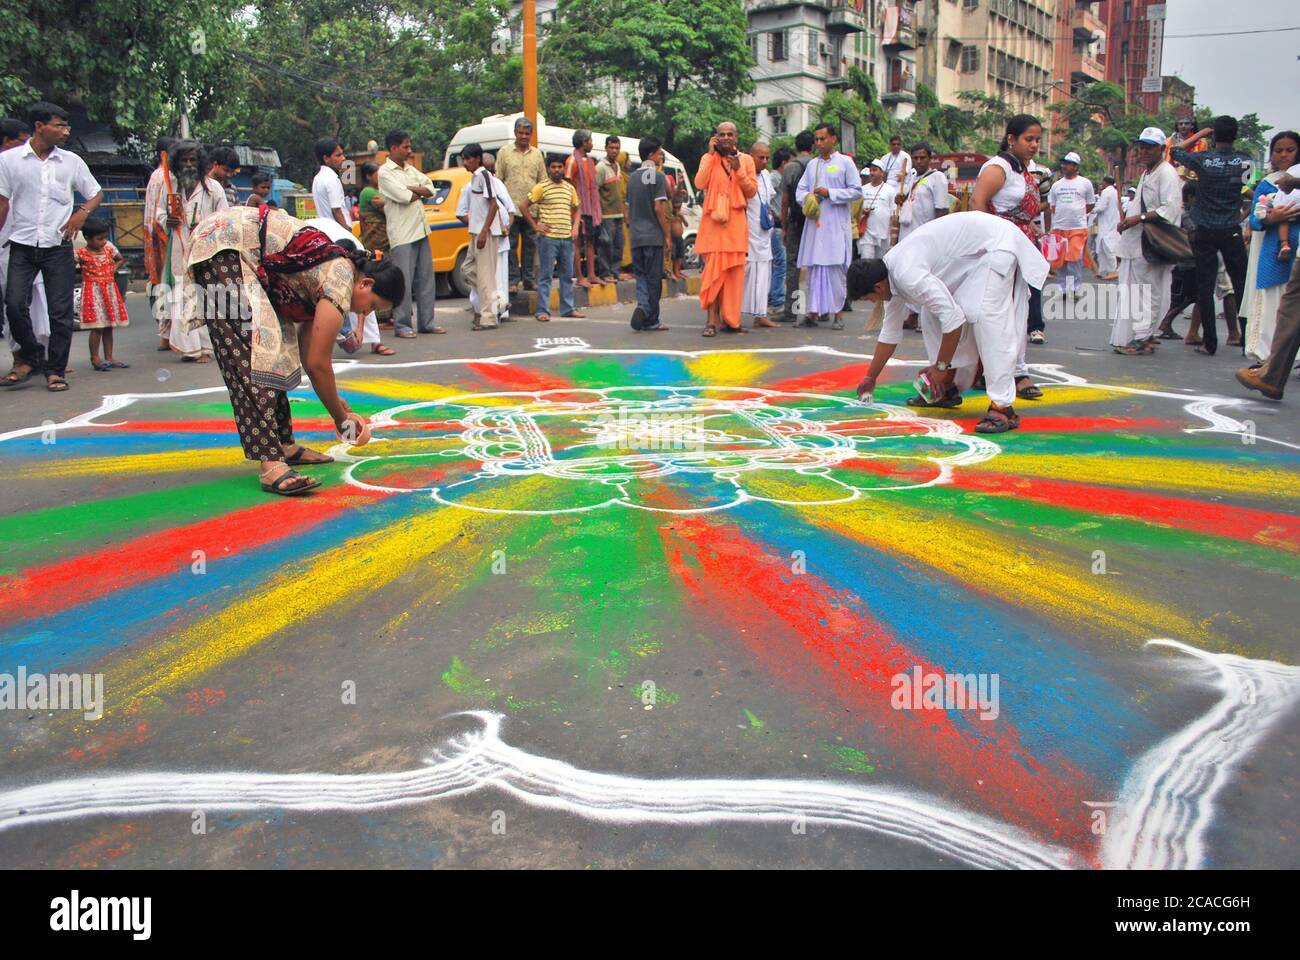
{"x": 1166, "y": 804}
{"x": 531, "y": 454}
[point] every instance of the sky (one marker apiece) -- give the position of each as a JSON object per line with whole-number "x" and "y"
{"x": 1252, "y": 73}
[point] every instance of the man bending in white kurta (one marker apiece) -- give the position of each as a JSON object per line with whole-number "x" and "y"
{"x": 1144, "y": 287}
{"x": 200, "y": 197}
{"x": 968, "y": 270}
{"x": 826, "y": 247}
{"x": 758, "y": 259}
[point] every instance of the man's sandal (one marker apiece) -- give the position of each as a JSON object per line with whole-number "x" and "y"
{"x": 56, "y": 384}
{"x": 382, "y": 350}
{"x": 998, "y": 421}
{"x": 15, "y": 376}
{"x": 950, "y": 400}
{"x": 709, "y": 331}
{"x": 1029, "y": 391}
{"x": 278, "y": 485}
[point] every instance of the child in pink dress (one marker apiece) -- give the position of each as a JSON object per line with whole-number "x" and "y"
{"x": 102, "y": 307}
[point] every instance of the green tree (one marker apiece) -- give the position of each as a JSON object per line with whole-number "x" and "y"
{"x": 130, "y": 64}
{"x": 683, "y": 65}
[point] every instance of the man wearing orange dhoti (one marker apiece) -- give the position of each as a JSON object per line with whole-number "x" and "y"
{"x": 728, "y": 180}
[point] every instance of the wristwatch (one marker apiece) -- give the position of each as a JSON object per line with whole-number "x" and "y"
{"x": 943, "y": 366}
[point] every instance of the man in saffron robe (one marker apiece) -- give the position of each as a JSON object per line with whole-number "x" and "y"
{"x": 826, "y": 248}
{"x": 728, "y": 180}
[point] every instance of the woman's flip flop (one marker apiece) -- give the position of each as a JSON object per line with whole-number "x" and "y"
{"x": 278, "y": 484}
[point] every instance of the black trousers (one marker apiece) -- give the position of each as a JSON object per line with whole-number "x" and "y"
{"x": 793, "y": 236}
{"x": 1207, "y": 245}
{"x": 648, "y": 268}
{"x": 1286, "y": 335}
{"x": 56, "y": 265}
{"x": 524, "y": 238}
{"x": 1036, "y": 310}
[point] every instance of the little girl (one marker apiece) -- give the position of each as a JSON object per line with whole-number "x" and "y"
{"x": 677, "y": 223}
{"x": 102, "y": 307}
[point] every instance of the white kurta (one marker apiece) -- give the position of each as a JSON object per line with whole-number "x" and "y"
{"x": 1145, "y": 287}
{"x": 1107, "y": 216}
{"x": 878, "y": 206}
{"x": 473, "y": 206}
{"x": 968, "y": 268}
{"x": 928, "y": 196}
{"x": 758, "y": 259}
{"x": 206, "y": 200}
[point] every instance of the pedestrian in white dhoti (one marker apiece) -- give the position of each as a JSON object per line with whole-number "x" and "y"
{"x": 200, "y": 197}
{"x": 826, "y": 247}
{"x": 486, "y": 208}
{"x": 758, "y": 259}
{"x": 1144, "y": 287}
{"x": 1107, "y": 216}
{"x": 968, "y": 270}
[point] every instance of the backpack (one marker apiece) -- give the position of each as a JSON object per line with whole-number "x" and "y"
{"x": 795, "y": 210}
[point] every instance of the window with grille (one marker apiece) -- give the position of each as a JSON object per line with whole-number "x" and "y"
{"x": 778, "y": 47}
{"x": 952, "y": 54}
{"x": 970, "y": 58}
{"x": 778, "y": 119}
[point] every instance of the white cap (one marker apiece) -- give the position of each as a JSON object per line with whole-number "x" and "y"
{"x": 866, "y": 171}
{"x": 1130, "y": 189}
{"x": 1152, "y": 135}
{"x": 1071, "y": 157}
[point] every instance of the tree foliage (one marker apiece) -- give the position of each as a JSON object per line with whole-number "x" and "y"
{"x": 683, "y": 65}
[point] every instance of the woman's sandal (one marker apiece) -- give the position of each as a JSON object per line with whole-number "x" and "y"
{"x": 1135, "y": 349}
{"x": 56, "y": 384}
{"x": 298, "y": 460}
{"x": 289, "y": 476}
{"x": 15, "y": 377}
{"x": 383, "y": 351}
{"x": 119, "y": 365}
{"x": 1028, "y": 392}
{"x": 998, "y": 421}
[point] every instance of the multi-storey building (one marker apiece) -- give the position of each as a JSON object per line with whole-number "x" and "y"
{"x": 803, "y": 48}
{"x": 1135, "y": 31}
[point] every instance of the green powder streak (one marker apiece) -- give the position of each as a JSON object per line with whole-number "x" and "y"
{"x": 465, "y": 682}
{"x": 600, "y": 372}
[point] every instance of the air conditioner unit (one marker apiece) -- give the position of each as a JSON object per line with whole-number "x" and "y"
{"x": 824, "y": 49}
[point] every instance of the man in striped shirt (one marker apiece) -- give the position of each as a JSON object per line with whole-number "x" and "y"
{"x": 556, "y": 223}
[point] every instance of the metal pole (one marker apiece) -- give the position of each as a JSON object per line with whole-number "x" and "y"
{"x": 529, "y": 16}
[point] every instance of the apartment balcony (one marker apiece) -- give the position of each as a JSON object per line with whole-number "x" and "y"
{"x": 899, "y": 27}
{"x": 899, "y": 90}
{"x": 1087, "y": 25}
{"x": 1085, "y": 68}
{"x": 846, "y": 16}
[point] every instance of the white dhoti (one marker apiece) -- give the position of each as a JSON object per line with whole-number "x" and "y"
{"x": 1107, "y": 261}
{"x": 998, "y": 314}
{"x": 1144, "y": 291}
{"x": 873, "y": 248}
{"x": 758, "y": 284}
{"x": 500, "y": 282}
{"x": 827, "y": 288}
{"x": 40, "y": 311}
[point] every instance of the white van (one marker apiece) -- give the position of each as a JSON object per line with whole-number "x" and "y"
{"x": 498, "y": 131}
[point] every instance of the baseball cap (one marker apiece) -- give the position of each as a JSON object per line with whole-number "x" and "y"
{"x": 1152, "y": 135}
{"x": 1071, "y": 157}
{"x": 872, "y": 163}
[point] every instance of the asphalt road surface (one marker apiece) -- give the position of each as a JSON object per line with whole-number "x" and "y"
{"x": 599, "y": 598}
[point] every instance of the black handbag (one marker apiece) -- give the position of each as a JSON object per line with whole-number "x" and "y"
{"x": 1162, "y": 242}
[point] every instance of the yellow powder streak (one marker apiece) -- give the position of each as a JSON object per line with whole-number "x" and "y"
{"x": 729, "y": 369}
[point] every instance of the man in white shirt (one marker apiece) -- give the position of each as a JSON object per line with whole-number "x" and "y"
{"x": 332, "y": 204}
{"x": 897, "y": 164}
{"x": 1106, "y": 214}
{"x": 972, "y": 269}
{"x": 758, "y": 258}
{"x": 878, "y": 206}
{"x": 1072, "y": 199}
{"x": 37, "y": 182}
{"x": 405, "y": 189}
{"x": 1145, "y": 287}
{"x": 486, "y": 208}
{"x": 928, "y": 196}
{"x": 327, "y": 188}
{"x": 15, "y": 133}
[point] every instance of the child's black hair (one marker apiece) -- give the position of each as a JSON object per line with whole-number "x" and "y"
{"x": 95, "y": 227}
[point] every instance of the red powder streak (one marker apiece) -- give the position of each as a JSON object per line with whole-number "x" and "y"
{"x": 822, "y": 640}
{"x": 219, "y": 425}
{"x": 511, "y": 377}
{"x": 826, "y": 381}
{"x": 44, "y": 590}
{"x": 1277, "y": 530}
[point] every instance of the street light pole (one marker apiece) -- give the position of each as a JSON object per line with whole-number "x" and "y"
{"x": 529, "y": 16}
